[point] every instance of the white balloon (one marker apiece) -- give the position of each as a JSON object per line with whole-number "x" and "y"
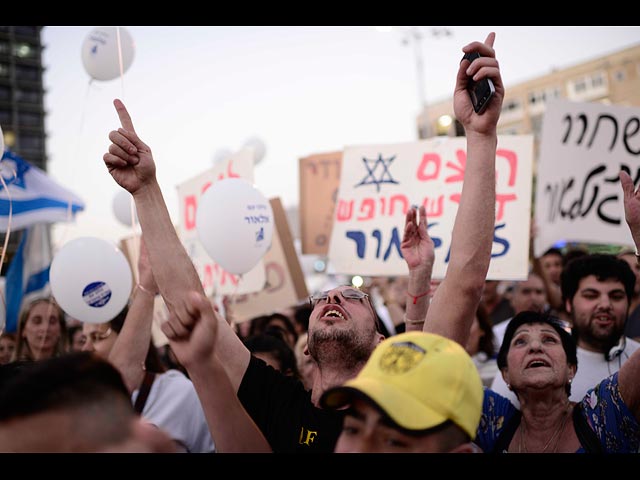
{"x": 259, "y": 148}
{"x": 122, "y": 208}
{"x": 221, "y": 155}
{"x": 90, "y": 279}
{"x": 100, "y": 52}
{"x": 235, "y": 224}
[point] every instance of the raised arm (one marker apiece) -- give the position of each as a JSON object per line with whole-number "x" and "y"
{"x": 454, "y": 303}
{"x": 229, "y": 423}
{"x": 129, "y": 351}
{"x": 630, "y": 370}
{"x": 130, "y": 163}
{"x": 418, "y": 251}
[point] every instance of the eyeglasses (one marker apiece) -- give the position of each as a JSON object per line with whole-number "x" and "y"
{"x": 563, "y": 324}
{"x": 95, "y": 336}
{"x": 347, "y": 294}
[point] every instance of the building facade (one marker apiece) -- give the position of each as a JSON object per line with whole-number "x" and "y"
{"x": 612, "y": 79}
{"x": 22, "y": 92}
{"x": 22, "y": 102}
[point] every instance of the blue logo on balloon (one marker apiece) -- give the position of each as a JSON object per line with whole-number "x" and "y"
{"x": 96, "y": 294}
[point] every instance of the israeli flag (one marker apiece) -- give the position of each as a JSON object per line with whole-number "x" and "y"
{"x": 28, "y": 274}
{"x": 35, "y": 197}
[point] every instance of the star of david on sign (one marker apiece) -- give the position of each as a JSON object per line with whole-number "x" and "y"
{"x": 381, "y": 166}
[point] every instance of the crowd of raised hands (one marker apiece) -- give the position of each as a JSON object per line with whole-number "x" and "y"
{"x": 417, "y": 391}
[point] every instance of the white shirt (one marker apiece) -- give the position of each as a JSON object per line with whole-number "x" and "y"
{"x": 174, "y": 406}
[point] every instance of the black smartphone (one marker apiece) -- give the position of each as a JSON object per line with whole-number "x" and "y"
{"x": 480, "y": 92}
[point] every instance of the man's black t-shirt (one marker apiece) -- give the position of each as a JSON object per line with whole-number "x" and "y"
{"x": 282, "y": 409}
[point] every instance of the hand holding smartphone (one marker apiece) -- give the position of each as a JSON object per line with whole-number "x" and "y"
{"x": 481, "y": 91}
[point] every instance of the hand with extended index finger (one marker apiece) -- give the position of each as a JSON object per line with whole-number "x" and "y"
{"x": 129, "y": 159}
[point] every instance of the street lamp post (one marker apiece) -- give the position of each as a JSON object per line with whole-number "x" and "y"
{"x": 414, "y": 36}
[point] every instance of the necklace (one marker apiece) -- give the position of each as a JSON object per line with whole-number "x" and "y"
{"x": 523, "y": 430}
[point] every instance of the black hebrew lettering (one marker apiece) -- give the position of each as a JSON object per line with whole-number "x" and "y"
{"x": 605, "y": 128}
{"x": 627, "y": 134}
{"x": 569, "y": 204}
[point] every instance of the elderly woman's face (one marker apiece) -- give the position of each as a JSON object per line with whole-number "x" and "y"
{"x": 537, "y": 358}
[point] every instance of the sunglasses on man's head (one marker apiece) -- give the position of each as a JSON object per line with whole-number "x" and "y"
{"x": 347, "y": 294}
{"x": 563, "y": 324}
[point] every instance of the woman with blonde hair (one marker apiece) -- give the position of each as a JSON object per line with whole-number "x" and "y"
{"x": 42, "y": 331}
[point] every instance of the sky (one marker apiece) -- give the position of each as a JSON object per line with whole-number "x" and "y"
{"x": 192, "y": 91}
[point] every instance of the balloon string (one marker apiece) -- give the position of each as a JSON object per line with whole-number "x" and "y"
{"x": 132, "y": 212}
{"x": 135, "y": 256}
{"x": 120, "y": 61}
{"x": 6, "y": 236}
{"x": 76, "y": 148}
{"x": 75, "y": 153}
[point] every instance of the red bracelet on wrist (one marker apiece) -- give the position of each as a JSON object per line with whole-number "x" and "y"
{"x": 416, "y": 297}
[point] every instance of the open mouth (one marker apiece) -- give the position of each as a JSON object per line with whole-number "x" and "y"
{"x": 537, "y": 363}
{"x": 604, "y": 320}
{"x": 334, "y": 314}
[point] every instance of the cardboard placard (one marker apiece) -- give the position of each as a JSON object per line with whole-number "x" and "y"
{"x": 319, "y": 182}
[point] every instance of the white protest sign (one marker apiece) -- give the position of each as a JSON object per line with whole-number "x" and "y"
{"x": 380, "y": 182}
{"x": 578, "y": 194}
{"x": 214, "y": 278}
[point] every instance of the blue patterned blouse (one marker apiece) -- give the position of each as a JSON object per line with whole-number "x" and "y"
{"x": 615, "y": 426}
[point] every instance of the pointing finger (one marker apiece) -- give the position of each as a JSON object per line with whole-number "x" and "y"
{"x": 123, "y": 114}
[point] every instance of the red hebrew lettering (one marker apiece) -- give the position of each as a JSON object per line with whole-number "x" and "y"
{"x": 434, "y": 207}
{"x": 228, "y": 276}
{"x": 205, "y": 187}
{"x": 190, "y": 205}
{"x": 230, "y": 172}
{"x": 344, "y": 210}
{"x": 512, "y": 159}
{"x": 399, "y": 198}
{"x": 501, "y": 199}
{"x": 370, "y": 205}
{"x": 207, "y": 277}
{"x": 428, "y": 160}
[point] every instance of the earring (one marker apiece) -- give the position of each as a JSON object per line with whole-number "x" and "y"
{"x": 509, "y": 386}
{"x": 570, "y": 380}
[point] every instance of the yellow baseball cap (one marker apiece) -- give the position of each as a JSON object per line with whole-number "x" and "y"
{"x": 419, "y": 380}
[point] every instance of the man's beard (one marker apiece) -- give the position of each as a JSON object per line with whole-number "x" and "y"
{"x": 344, "y": 348}
{"x": 597, "y": 337}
